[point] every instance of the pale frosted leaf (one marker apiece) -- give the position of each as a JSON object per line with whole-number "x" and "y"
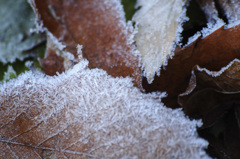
{"x": 15, "y": 23}
{"x": 86, "y": 113}
{"x": 159, "y": 25}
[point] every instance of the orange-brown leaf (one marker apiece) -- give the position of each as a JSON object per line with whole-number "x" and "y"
{"x": 97, "y": 25}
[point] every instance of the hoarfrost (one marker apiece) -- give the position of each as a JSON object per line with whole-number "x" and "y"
{"x": 211, "y": 27}
{"x": 112, "y": 117}
{"x": 209, "y": 8}
{"x": 193, "y": 38}
{"x": 210, "y": 73}
{"x": 231, "y": 10}
{"x": 54, "y": 44}
{"x": 14, "y": 30}
{"x": 217, "y": 73}
{"x": 158, "y": 31}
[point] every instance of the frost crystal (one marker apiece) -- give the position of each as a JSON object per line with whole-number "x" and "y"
{"x": 231, "y": 9}
{"x": 88, "y": 107}
{"x": 15, "y": 23}
{"x": 193, "y": 38}
{"x": 211, "y": 27}
{"x": 217, "y": 73}
{"x": 158, "y": 30}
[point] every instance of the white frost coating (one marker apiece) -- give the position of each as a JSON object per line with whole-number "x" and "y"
{"x": 10, "y": 72}
{"x": 192, "y": 81}
{"x": 210, "y": 10}
{"x": 115, "y": 119}
{"x": 210, "y": 73}
{"x": 193, "y": 38}
{"x": 79, "y": 51}
{"x": 211, "y": 27}
{"x": 39, "y": 28}
{"x": 56, "y": 42}
{"x": 127, "y": 31}
{"x": 159, "y": 24}
{"x": 231, "y": 10}
{"x": 231, "y": 25}
{"x": 217, "y": 73}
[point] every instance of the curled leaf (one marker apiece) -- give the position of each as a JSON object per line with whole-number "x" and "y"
{"x": 214, "y": 97}
{"x": 212, "y": 52}
{"x": 225, "y": 80}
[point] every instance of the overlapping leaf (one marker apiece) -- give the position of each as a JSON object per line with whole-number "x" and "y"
{"x": 100, "y": 27}
{"x": 213, "y": 52}
{"x": 214, "y": 97}
{"x": 158, "y": 32}
{"x": 86, "y": 113}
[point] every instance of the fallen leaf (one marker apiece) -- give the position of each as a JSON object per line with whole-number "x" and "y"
{"x": 214, "y": 97}
{"x": 98, "y": 26}
{"x": 159, "y": 26}
{"x": 225, "y": 80}
{"x": 85, "y": 113}
{"x": 212, "y": 52}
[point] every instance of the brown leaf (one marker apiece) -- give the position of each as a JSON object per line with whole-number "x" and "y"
{"x": 52, "y": 63}
{"x": 213, "y": 52}
{"x": 85, "y": 113}
{"x": 214, "y": 97}
{"x": 211, "y": 94}
{"x": 100, "y": 27}
{"x": 227, "y": 80}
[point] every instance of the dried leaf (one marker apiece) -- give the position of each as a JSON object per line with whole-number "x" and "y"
{"x": 226, "y": 80}
{"x": 215, "y": 97}
{"x": 158, "y": 28}
{"x": 100, "y": 27}
{"x": 213, "y": 52}
{"x": 85, "y": 113}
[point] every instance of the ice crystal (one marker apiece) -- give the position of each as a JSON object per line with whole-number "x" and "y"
{"x": 110, "y": 116}
{"x": 158, "y": 31}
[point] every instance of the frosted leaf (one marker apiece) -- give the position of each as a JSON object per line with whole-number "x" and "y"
{"x": 159, "y": 25}
{"x": 100, "y": 27}
{"x": 231, "y": 9}
{"x": 55, "y": 45}
{"x": 217, "y": 73}
{"x": 87, "y": 113}
{"x": 193, "y": 38}
{"x": 15, "y": 23}
{"x": 211, "y": 27}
